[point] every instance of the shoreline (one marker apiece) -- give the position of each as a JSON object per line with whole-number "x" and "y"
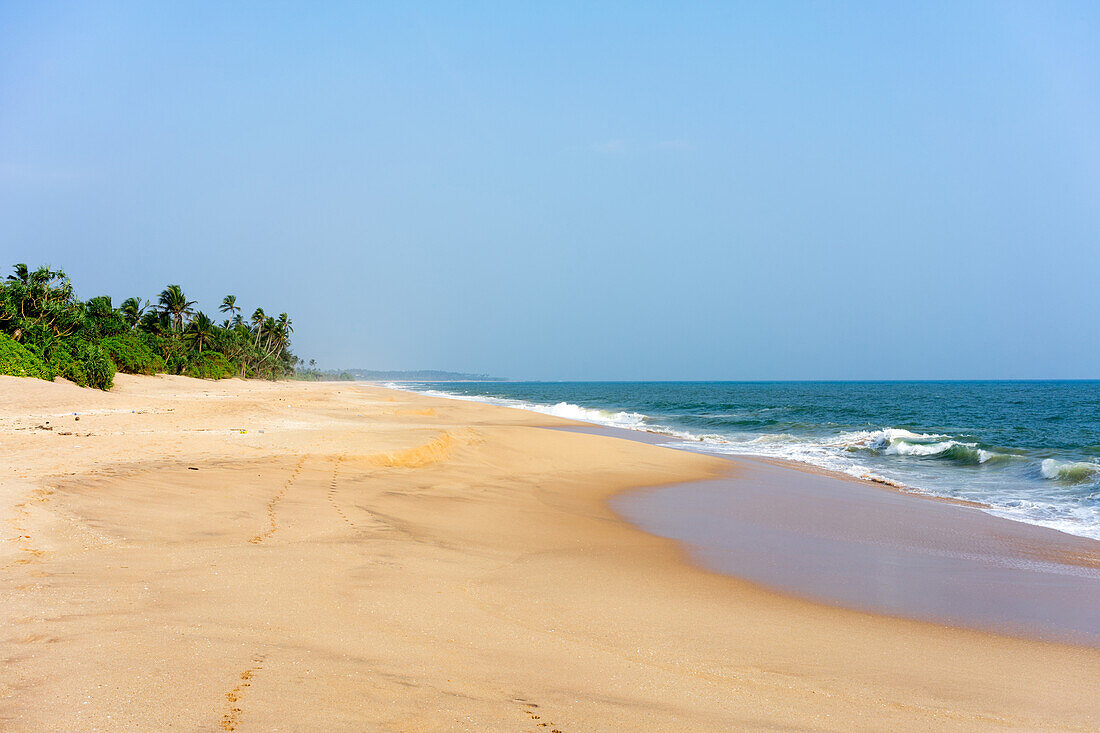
{"x": 1012, "y": 568}
{"x": 1040, "y": 584}
{"x": 366, "y": 558}
{"x": 629, "y": 433}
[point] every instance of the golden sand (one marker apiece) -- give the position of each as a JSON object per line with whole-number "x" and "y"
{"x": 252, "y": 556}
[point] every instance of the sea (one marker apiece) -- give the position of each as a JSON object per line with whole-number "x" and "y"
{"x": 1023, "y": 450}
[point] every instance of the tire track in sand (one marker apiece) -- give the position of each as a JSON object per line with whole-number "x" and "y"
{"x": 272, "y": 521}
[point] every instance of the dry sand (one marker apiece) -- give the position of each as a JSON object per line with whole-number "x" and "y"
{"x": 362, "y": 559}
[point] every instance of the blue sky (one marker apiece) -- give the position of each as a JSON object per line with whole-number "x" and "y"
{"x": 573, "y": 191}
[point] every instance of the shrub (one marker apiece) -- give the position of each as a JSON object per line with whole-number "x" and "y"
{"x": 17, "y": 361}
{"x": 211, "y": 365}
{"x": 63, "y": 363}
{"x": 132, "y": 355}
{"x": 97, "y": 365}
{"x": 103, "y": 319}
{"x": 83, "y": 363}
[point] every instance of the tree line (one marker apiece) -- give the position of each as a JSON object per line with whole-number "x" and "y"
{"x": 47, "y": 332}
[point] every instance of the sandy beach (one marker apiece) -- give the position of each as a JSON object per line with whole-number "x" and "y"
{"x": 194, "y": 555}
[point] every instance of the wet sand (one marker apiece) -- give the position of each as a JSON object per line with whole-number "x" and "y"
{"x": 854, "y": 544}
{"x": 362, "y": 559}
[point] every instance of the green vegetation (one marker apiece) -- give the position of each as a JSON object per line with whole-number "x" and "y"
{"x": 45, "y": 331}
{"x": 211, "y": 365}
{"x": 132, "y": 354}
{"x": 17, "y": 361}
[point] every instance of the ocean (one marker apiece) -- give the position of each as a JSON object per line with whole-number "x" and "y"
{"x": 1024, "y": 450}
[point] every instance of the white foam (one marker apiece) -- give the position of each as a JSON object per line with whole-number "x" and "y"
{"x": 1068, "y": 470}
{"x": 905, "y": 448}
{"x": 883, "y": 439}
{"x": 567, "y": 410}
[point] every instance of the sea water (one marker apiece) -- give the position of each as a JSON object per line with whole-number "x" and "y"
{"x": 1027, "y": 450}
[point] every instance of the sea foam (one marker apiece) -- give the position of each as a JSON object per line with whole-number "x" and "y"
{"x": 1074, "y": 472}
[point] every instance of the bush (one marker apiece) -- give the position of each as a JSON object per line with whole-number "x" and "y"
{"x": 97, "y": 365}
{"x": 132, "y": 355}
{"x": 17, "y": 361}
{"x": 211, "y": 365}
{"x": 64, "y": 365}
{"x": 83, "y": 363}
{"x": 103, "y": 319}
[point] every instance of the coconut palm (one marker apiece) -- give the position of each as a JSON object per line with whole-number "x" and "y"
{"x": 132, "y": 310}
{"x": 271, "y": 331}
{"x": 229, "y": 305}
{"x": 174, "y": 303}
{"x": 201, "y": 332}
{"x": 22, "y": 273}
{"x": 258, "y": 317}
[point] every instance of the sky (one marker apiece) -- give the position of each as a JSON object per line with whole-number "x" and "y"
{"x": 578, "y": 190}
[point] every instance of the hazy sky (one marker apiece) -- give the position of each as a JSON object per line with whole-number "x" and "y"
{"x": 547, "y": 190}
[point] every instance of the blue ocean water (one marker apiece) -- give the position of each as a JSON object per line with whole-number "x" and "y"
{"x": 1028, "y": 451}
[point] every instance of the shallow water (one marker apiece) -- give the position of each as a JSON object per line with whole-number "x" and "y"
{"x": 858, "y": 546}
{"x": 1028, "y": 451}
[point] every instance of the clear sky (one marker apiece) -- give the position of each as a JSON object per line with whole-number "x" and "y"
{"x": 578, "y": 191}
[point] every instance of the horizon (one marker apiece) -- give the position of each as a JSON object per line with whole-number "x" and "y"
{"x": 579, "y": 193}
{"x": 506, "y": 380}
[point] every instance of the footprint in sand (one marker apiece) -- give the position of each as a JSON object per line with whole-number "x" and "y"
{"x": 332, "y": 494}
{"x": 232, "y": 717}
{"x": 272, "y": 522}
{"x": 22, "y": 537}
{"x": 532, "y": 712}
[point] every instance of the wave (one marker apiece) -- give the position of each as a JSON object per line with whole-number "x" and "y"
{"x": 881, "y": 439}
{"x": 902, "y": 442}
{"x": 567, "y": 410}
{"x": 1071, "y": 472}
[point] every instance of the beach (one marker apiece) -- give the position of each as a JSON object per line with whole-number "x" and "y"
{"x": 244, "y": 555}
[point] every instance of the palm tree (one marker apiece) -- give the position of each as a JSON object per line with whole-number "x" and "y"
{"x": 258, "y": 322}
{"x": 271, "y": 330}
{"x": 133, "y": 310}
{"x": 201, "y": 332}
{"x": 284, "y": 324}
{"x": 155, "y": 322}
{"x": 176, "y": 305}
{"x": 229, "y": 305}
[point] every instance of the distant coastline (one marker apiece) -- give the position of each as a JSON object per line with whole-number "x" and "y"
{"x": 420, "y": 375}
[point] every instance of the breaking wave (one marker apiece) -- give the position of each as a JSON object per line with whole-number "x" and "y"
{"x": 1072, "y": 472}
{"x": 902, "y": 442}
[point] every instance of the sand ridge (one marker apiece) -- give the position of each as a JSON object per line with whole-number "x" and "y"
{"x": 353, "y": 558}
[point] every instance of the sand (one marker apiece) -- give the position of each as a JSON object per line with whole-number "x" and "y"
{"x": 363, "y": 559}
{"x": 833, "y": 538}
